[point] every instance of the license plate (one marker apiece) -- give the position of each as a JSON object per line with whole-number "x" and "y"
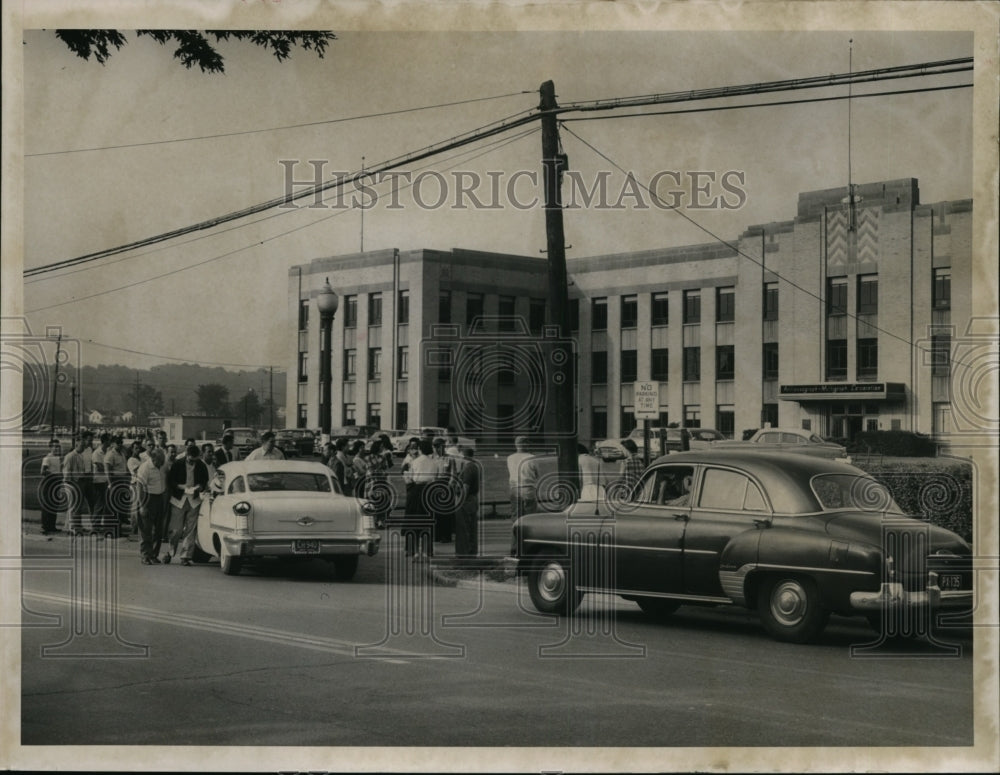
{"x": 950, "y": 581}
{"x": 305, "y": 547}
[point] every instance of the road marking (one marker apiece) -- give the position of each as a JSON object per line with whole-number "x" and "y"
{"x": 241, "y": 629}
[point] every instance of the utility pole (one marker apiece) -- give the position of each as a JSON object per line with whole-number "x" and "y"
{"x": 55, "y": 386}
{"x": 135, "y": 420}
{"x": 270, "y": 400}
{"x": 562, "y": 388}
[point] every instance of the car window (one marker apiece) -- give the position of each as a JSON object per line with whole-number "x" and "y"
{"x": 853, "y": 491}
{"x": 288, "y": 481}
{"x": 665, "y": 486}
{"x": 769, "y": 438}
{"x": 815, "y": 439}
{"x": 731, "y": 490}
{"x": 237, "y": 485}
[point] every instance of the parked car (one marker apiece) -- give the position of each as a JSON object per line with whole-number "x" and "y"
{"x": 792, "y": 440}
{"x": 794, "y": 536}
{"x": 698, "y": 438}
{"x": 284, "y": 508}
{"x": 401, "y": 438}
{"x": 295, "y": 442}
{"x": 549, "y": 493}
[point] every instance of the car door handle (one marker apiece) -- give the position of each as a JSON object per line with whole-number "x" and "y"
{"x": 683, "y": 517}
{"x": 762, "y": 522}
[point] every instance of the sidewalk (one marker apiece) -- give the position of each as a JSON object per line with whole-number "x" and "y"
{"x": 494, "y": 538}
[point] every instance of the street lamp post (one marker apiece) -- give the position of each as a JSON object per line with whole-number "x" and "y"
{"x": 327, "y": 302}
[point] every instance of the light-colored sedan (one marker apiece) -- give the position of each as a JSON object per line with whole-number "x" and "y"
{"x": 795, "y": 440}
{"x": 287, "y": 509}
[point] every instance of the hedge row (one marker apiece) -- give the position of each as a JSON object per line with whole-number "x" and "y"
{"x": 896, "y": 443}
{"x": 938, "y": 489}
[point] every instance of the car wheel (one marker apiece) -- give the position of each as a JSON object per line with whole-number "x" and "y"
{"x": 345, "y": 567}
{"x": 658, "y": 607}
{"x": 791, "y": 610}
{"x": 230, "y": 565}
{"x": 550, "y": 585}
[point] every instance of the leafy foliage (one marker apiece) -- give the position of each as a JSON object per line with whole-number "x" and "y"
{"x": 936, "y": 489}
{"x": 194, "y": 46}
{"x": 213, "y": 399}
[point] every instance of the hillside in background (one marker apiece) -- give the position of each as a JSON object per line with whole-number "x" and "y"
{"x": 111, "y": 389}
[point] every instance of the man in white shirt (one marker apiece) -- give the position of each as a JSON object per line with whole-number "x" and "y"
{"x": 99, "y": 517}
{"x": 48, "y": 494}
{"x": 151, "y": 485}
{"x": 75, "y": 475}
{"x": 523, "y": 479}
{"x": 266, "y": 450}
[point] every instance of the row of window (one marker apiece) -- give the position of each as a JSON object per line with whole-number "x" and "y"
{"x": 725, "y": 305}
{"x": 725, "y": 364}
{"x": 867, "y": 293}
{"x": 836, "y": 359}
{"x": 350, "y": 310}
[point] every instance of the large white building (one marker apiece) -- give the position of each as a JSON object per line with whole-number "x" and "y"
{"x": 839, "y": 320}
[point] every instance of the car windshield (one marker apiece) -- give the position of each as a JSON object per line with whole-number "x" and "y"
{"x": 854, "y": 492}
{"x": 288, "y": 481}
{"x": 815, "y": 439}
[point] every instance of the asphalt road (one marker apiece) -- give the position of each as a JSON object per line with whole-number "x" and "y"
{"x": 289, "y": 656}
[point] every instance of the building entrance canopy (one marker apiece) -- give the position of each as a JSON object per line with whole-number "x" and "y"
{"x": 844, "y": 391}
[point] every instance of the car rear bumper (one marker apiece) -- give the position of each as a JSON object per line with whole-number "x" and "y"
{"x": 285, "y": 546}
{"x": 892, "y": 595}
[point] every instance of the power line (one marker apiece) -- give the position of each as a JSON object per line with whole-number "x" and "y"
{"x": 777, "y": 103}
{"x": 731, "y": 246}
{"x": 106, "y": 291}
{"x": 326, "y": 122}
{"x": 504, "y": 125}
{"x": 473, "y": 153}
{"x": 458, "y": 141}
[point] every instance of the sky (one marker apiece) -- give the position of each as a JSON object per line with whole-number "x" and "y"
{"x": 176, "y": 147}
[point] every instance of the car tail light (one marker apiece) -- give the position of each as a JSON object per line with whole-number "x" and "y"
{"x": 242, "y": 511}
{"x": 368, "y": 510}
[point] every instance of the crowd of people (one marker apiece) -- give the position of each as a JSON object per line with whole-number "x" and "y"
{"x": 145, "y": 492}
{"x": 149, "y": 493}
{"x": 441, "y": 485}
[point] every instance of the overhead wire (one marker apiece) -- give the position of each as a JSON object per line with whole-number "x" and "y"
{"x": 473, "y": 153}
{"x": 734, "y": 247}
{"x": 523, "y": 117}
{"x": 326, "y": 122}
{"x": 66, "y": 302}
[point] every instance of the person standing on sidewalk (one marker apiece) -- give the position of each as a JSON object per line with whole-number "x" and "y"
{"x": 467, "y": 517}
{"x": 444, "y": 502}
{"x": 423, "y": 471}
{"x": 523, "y": 479}
{"x": 119, "y": 494}
{"x": 48, "y": 494}
{"x": 151, "y": 486}
{"x": 99, "y": 518}
{"x": 75, "y": 476}
{"x": 633, "y": 465}
{"x": 266, "y": 450}
{"x": 186, "y": 481}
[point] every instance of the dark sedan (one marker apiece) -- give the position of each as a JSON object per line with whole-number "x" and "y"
{"x": 793, "y": 536}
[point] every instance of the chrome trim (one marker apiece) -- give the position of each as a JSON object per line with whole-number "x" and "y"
{"x": 733, "y": 582}
{"x": 892, "y": 595}
{"x": 815, "y": 569}
{"x": 669, "y": 595}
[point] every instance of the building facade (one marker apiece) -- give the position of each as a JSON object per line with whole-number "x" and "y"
{"x": 839, "y": 320}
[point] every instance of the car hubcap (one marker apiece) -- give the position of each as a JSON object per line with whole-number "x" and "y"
{"x": 788, "y": 603}
{"x": 551, "y": 582}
